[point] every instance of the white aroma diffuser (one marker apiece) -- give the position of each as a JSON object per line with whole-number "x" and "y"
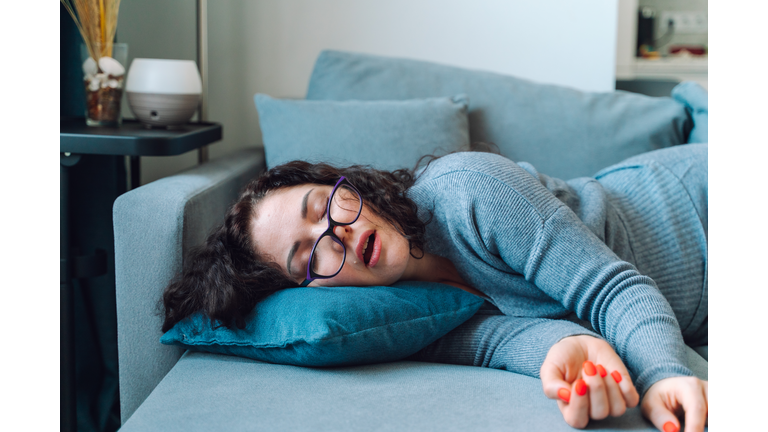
{"x": 163, "y": 92}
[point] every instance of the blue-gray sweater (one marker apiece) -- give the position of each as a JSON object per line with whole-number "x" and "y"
{"x": 625, "y": 251}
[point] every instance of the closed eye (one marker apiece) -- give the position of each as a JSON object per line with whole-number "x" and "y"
{"x": 324, "y": 214}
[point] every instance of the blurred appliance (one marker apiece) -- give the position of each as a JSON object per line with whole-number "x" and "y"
{"x": 645, "y": 29}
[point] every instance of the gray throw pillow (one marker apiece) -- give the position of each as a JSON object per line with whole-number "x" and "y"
{"x": 384, "y": 134}
{"x": 563, "y": 132}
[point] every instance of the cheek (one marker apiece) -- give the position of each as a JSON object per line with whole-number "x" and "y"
{"x": 398, "y": 250}
{"x": 347, "y": 277}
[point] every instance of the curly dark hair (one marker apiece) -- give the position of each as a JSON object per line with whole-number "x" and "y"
{"x": 226, "y": 277}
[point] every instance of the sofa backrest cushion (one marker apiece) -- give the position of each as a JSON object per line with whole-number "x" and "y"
{"x": 335, "y": 326}
{"x": 384, "y": 134}
{"x": 563, "y": 132}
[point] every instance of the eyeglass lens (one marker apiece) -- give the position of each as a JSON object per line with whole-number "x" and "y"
{"x": 345, "y": 206}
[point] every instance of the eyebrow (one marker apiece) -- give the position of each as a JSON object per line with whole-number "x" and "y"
{"x": 295, "y": 246}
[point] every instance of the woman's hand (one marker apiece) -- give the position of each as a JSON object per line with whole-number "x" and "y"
{"x": 588, "y": 380}
{"x": 670, "y": 398}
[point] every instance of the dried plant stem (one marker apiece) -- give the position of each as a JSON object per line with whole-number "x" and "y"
{"x": 103, "y": 23}
{"x": 97, "y": 22}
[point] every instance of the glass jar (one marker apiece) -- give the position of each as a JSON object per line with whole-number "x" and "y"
{"x": 104, "y": 81}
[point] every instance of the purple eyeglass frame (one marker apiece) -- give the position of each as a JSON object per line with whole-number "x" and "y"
{"x": 329, "y": 232}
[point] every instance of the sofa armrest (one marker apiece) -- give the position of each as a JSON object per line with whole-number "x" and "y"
{"x": 155, "y": 225}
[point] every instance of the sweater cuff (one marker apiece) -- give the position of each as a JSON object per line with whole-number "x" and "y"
{"x": 514, "y": 344}
{"x": 654, "y": 374}
{"x": 551, "y": 332}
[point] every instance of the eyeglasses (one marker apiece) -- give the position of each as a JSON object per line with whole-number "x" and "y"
{"x": 329, "y": 253}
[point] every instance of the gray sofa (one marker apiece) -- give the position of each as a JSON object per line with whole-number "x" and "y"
{"x": 164, "y": 388}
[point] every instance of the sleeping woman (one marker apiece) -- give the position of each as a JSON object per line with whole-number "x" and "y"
{"x": 594, "y": 285}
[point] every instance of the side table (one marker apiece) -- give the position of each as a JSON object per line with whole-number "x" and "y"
{"x": 131, "y": 139}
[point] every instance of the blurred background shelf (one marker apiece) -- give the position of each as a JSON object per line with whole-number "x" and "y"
{"x": 665, "y": 68}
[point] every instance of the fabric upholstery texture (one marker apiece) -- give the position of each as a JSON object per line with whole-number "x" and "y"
{"x": 335, "y": 326}
{"x": 565, "y": 133}
{"x": 696, "y": 101}
{"x": 154, "y": 226}
{"x": 384, "y": 134}
{"x": 609, "y": 250}
{"x": 217, "y": 392}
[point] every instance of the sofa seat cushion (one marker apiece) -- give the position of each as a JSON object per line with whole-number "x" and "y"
{"x": 206, "y": 392}
{"x": 563, "y": 132}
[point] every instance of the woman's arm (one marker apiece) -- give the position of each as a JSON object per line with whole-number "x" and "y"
{"x": 498, "y": 341}
{"x": 515, "y": 218}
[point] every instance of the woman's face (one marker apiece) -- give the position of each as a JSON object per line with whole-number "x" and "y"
{"x": 289, "y": 220}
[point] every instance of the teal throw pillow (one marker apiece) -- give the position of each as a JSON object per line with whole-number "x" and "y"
{"x": 384, "y": 134}
{"x": 335, "y": 326}
{"x": 696, "y": 101}
{"x": 563, "y": 132}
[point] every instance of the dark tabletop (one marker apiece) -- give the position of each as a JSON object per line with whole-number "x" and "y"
{"x": 134, "y": 139}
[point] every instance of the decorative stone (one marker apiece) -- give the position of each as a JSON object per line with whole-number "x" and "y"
{"x": 90, "y": 67}
{"x": 110, "y": 66}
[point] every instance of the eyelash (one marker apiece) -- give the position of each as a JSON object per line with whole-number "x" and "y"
{"x": 321, "y": 218}
{"x": 325, "y": 211}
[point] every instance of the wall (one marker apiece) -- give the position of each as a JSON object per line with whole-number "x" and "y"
{"x": 159, "y": 29}
{"x": 270, "y": 46}
{"x": 626, "y": 36}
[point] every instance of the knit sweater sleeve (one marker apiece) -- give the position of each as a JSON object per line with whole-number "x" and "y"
{"x": 517, "y": 219}
{"x": 501, "y": 342}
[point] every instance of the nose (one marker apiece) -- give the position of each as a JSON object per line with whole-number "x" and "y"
{"x": 342, "y": 232}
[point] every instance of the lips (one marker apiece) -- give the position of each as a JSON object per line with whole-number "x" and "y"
{"x": 376, "y": 252}
{"x": 368, "y": 248}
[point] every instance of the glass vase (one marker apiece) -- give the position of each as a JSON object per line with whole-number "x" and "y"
{"x": 104, "y": 82}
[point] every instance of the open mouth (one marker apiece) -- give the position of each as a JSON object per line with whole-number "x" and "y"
{"x": 368, "y": 248}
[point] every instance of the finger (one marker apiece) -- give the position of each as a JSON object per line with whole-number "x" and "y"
{"x": 657, "y": 412}
{"x": 598, "y": 397}
{"x": 616, "y": 402}
{"x": 706, "y": 397}
{"x": 695, "y": 406}
{"x": 618, "y": 373}
{"x": 621, "y": 377}
{"x": 576, "y": 412}
{"x": 553, "y": 382}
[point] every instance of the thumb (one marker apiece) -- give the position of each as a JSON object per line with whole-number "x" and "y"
{"x": 553, "y": 382}
{"x": 655, "y": 410}
{"x": 678, "y": 395}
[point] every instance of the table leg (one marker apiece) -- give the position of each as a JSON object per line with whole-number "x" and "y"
{"x": 135, "y": 172}
{"x": 67, "y": 325}
{"x": 202, "y": 155}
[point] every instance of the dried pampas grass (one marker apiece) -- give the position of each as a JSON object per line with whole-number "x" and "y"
{"x": 97, "y": 22}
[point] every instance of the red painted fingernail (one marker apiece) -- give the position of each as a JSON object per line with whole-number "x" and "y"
{"x": 601, "y": 370}
{"x": 581, "y": 387}
{"x": 670, "y": 427}
{"x": 589, "y": 368}
{"x": 616, "y": 376}
{"x": 564, "y": 394}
